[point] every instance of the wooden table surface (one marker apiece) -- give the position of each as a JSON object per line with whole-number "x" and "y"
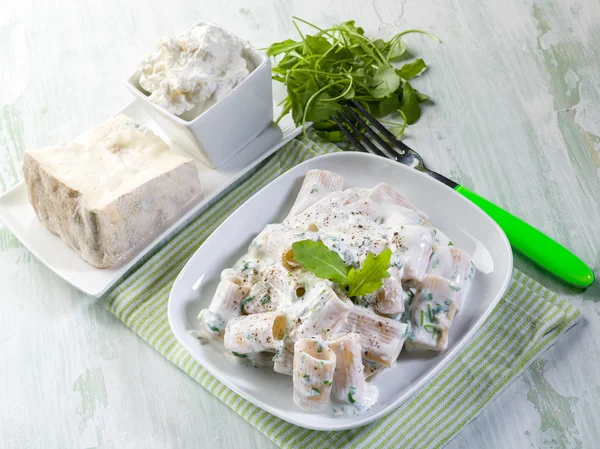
{"x": 516, "y": 86}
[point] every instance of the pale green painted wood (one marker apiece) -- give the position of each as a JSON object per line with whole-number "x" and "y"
{"x": 516, "y": 118}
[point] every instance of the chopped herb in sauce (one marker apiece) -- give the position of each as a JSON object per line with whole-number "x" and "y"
{"x": 237, "y": 354}
{"x": 351, "y": 395}
{"x": 431, "y": 329}
{"x": 245, "y": 301}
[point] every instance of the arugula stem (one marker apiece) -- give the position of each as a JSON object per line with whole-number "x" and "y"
{"x": 322, "y": 31}
{"x": 427, "y": 33}
{"x": 369, "y": 44}
{"x": 305, "y": 61}
{"x": 343, "y": 94}
{"x": 323, "y": 56}
{"x": 308, "y": 105}
{"x": 395, "y": 124}
{"x": 321, "y": 73}
{"x": 298, "y": 30}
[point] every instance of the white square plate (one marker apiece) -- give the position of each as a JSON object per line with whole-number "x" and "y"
{"x": 464, "y": 223}
{"x": 20, "y": 218}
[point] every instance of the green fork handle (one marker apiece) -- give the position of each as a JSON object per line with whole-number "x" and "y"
{"x": 537, "y": 246}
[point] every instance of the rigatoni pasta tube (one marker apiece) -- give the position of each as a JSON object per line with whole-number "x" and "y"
{"x": 284, "y": 358}
{"x": 227, "y": 302}
{"x": 348, "y": 378}
{"x": 317, "y": 185}
{"x": 455, "y": 265}
{"x": 262, "y": 298}
{"x": 381, "y": 338}
{"x": 414, "y": 244}
{"x": 433, "y": 310}
{"x": 404, "y": 211}
{"x": 371, "y": 368}
{"x": 390, "y": 297}
{"x": 385, "y": 195}
{"x": 211, "y": 324}
{"x": 325, "y": 312}
{"x": 314, "y": 364}
{"x": 255, "y": 333}
{"x": 277, "y": 242}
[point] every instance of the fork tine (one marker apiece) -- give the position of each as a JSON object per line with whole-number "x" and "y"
{"x": 382, "y": 129}
{"x": 385, "y": 147}
{"x": 370, "y": 146}
{"x": 359, "y": 146}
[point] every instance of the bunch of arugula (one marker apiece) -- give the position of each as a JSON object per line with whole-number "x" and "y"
{"x": 323, "y": 70}
{"x": 327, "y": 264}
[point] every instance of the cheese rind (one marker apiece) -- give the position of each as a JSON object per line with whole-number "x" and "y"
{"x": 106, "y": 199}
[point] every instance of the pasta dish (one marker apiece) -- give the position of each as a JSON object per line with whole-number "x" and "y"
{"x": 333, "y": 294}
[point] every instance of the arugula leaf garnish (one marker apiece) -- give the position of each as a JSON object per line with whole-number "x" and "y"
{"x": 410, "y": 104}
{"x": 320, "y": 260}
{"x": 324, "y": 263}
{"x": 385, "y": 81}
{"x": 283, "y": 47}
{"x": 369, "y": 277}
{"x": 412, "y": 69}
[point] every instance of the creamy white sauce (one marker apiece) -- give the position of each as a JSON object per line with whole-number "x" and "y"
{"x": 352, "y": 223}
{"x": 337, "y": 408}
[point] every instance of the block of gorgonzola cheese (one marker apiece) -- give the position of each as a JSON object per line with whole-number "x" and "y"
{"x": 111, "y": 190}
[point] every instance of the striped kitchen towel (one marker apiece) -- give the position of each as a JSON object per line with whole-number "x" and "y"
{"x": 526, "y": 321}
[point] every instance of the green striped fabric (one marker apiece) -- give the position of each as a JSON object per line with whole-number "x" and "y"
{"x": 527, "y": 320}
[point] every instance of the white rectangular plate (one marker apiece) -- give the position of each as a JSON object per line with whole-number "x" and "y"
{"x": 20, "y": 218}
{"x": 466, "y": 225}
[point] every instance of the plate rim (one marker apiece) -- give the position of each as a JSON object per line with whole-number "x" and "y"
{"x": 205, "y": 201}
{"x": 421, "y": 382}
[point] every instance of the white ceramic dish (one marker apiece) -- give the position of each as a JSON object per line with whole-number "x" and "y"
{"x": 466, "y": 225}
{"x": 249, "y": 105}
{"x": 19, "y": 217}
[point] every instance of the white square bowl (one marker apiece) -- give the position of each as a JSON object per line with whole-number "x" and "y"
{"x": 224, "y": 128}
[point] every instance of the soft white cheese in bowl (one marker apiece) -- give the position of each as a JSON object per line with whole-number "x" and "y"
{"x": 209, "y": 90}
{"x": 189, "y": 73}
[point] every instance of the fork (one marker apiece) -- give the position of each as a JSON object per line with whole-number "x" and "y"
{"x": 523, "y": 237}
